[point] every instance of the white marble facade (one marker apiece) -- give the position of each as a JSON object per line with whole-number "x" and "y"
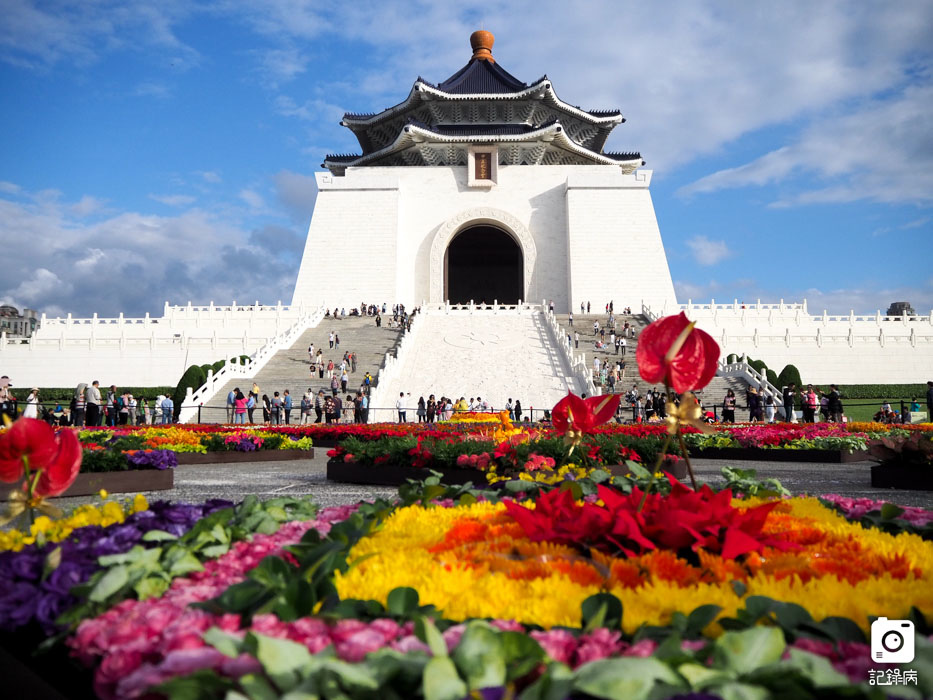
{"x": 586, "y": 233}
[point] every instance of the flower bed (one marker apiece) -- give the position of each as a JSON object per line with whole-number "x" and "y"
{"x": 693, "y": 592}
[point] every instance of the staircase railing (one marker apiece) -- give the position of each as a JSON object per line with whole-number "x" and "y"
{"x": 248, "y": 368}
{"x": 749, "y": 375}
{"x": 577, "y": 363}
{"x": 392, "y": 365}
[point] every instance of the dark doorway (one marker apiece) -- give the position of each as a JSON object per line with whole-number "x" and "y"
{"x": 484, "y": 264}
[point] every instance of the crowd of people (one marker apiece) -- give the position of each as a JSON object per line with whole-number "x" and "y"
{"x": 433, "y": 409}
{"x": 90, "y": 407}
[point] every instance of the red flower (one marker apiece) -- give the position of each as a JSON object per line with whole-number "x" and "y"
{"x": 681, "y": 520}
{"x": 673, "y": 351}
{"x": 574, "y": 416}
{"x": 57, "y": 456}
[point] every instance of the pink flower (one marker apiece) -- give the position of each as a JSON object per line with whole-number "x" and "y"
{"x": 389, "y": 629}
{"x": 463, "y": 460}
{"x": 507, "y": 625}
{"x": 409, "y": 644}
{"x": 114, "y": 667}
{"x": 644, "y": 648}
{"x": 358, "y": 645}
{"x": 452, "y": 636}
{"x": 601, "y": 643}
{"x": 557, "y": 644}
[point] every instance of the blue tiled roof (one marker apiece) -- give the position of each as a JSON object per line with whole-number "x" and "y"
{"x": 481, "y": 77}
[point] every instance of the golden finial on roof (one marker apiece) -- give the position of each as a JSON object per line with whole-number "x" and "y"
{"x": 482, "y": 42}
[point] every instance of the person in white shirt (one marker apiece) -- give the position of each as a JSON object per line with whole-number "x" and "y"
{"x": 32, "y": 405}
{"x": 157, "y": 409}
{"x": 400, "y": 407}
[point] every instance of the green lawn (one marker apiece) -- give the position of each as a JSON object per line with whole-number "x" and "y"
{"x": 865, "y": 409}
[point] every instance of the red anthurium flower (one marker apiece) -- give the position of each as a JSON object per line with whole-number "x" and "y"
{"x": 672, "y": 350}
{"x": 574, "y": 416}
{"x": 683, "y": 519}
{"x": 60, "y": 472}
{"x": 30, "y": 438}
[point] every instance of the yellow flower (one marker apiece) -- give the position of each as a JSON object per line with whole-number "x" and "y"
{"x": 103, "y": 494}
{"x": 474, "y": 561}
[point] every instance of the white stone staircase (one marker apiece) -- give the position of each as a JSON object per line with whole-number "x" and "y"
{"x": 496, "y": 354}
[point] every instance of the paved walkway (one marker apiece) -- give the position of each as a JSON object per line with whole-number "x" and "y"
{"x": 307, "y": 477}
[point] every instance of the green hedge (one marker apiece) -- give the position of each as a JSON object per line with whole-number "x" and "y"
{"x": 193, "y": 378}
{"x": 884, "y": 391}
{"x": 789, "y": 375}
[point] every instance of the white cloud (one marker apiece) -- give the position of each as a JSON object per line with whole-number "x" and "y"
{"x": 916, "y": 223}
{"x": 40, "y": 35}
{"x": 131, "y": 262}
{"x": 252, "y": 198}
{"x": 297, "y": 192}
{"x": 860, "y": 155}
{"x": 708, "y": 252}
{"x": 173, "y": 200}
{"x": 9, "y": 187}
{"x": 281, "y": 65}
{"x": 87, "y": 205}
{"x": 210, "y": 176}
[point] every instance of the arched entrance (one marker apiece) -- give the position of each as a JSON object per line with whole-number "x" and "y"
{"x": 485, "y": 264}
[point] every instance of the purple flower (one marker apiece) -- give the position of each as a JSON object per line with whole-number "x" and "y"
{"x": 155, "y": 459}
{"x": 23, "y": 598}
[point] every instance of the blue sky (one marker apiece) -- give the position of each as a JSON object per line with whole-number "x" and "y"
{"x": 155, "y": 151}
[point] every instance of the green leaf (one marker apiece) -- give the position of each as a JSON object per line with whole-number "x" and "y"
{"x": 638, "y": 471}
{"x": 429, "y": 634}
{"x": 257, "y": 687}
{"x": 837, "y": 629}
{"x": 700, "y": 677}
{"x": 225, "y": 643}
{"x": 629, "y": 678}
{"x": 601, "y": 610}
{"x": 791, "y": 616}
{"x": 282, "y": 659}
{"x": 441, "y": 682}
{"x": 479, "y": 655}
{"x": 151, "y": 587}
{"x": 554, "y": 684}
{"x": 185, "y": 564}
{"x": 467, "y": 499}
{"x": 159, "y": 536}
{"x": 889, "y": 511}
{"x": 111, "y": 582}
{"x": 741, "y": 691}
{"x": 700, "y": 618}
{"x": 749, "y": 649}
{"x": 816, "y": 668}
{"x": 402, "y": 601}
{"x": 200, "y": 685}
{"x": 215, "y": 551}
{"x": 521, "y": 653}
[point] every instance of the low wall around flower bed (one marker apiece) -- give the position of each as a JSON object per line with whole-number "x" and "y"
{"x": 130, "y": 481}
{"x": 893, "y": 477}
{"x": 779, "y": 455}
{"x": 392, "y": 475}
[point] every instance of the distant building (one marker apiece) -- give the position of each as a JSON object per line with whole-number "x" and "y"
{"x": 899, "y": 308}
{"x": 18, "y": 325}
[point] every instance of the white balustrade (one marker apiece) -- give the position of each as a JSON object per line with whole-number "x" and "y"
{"x": 249, "y": 367}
